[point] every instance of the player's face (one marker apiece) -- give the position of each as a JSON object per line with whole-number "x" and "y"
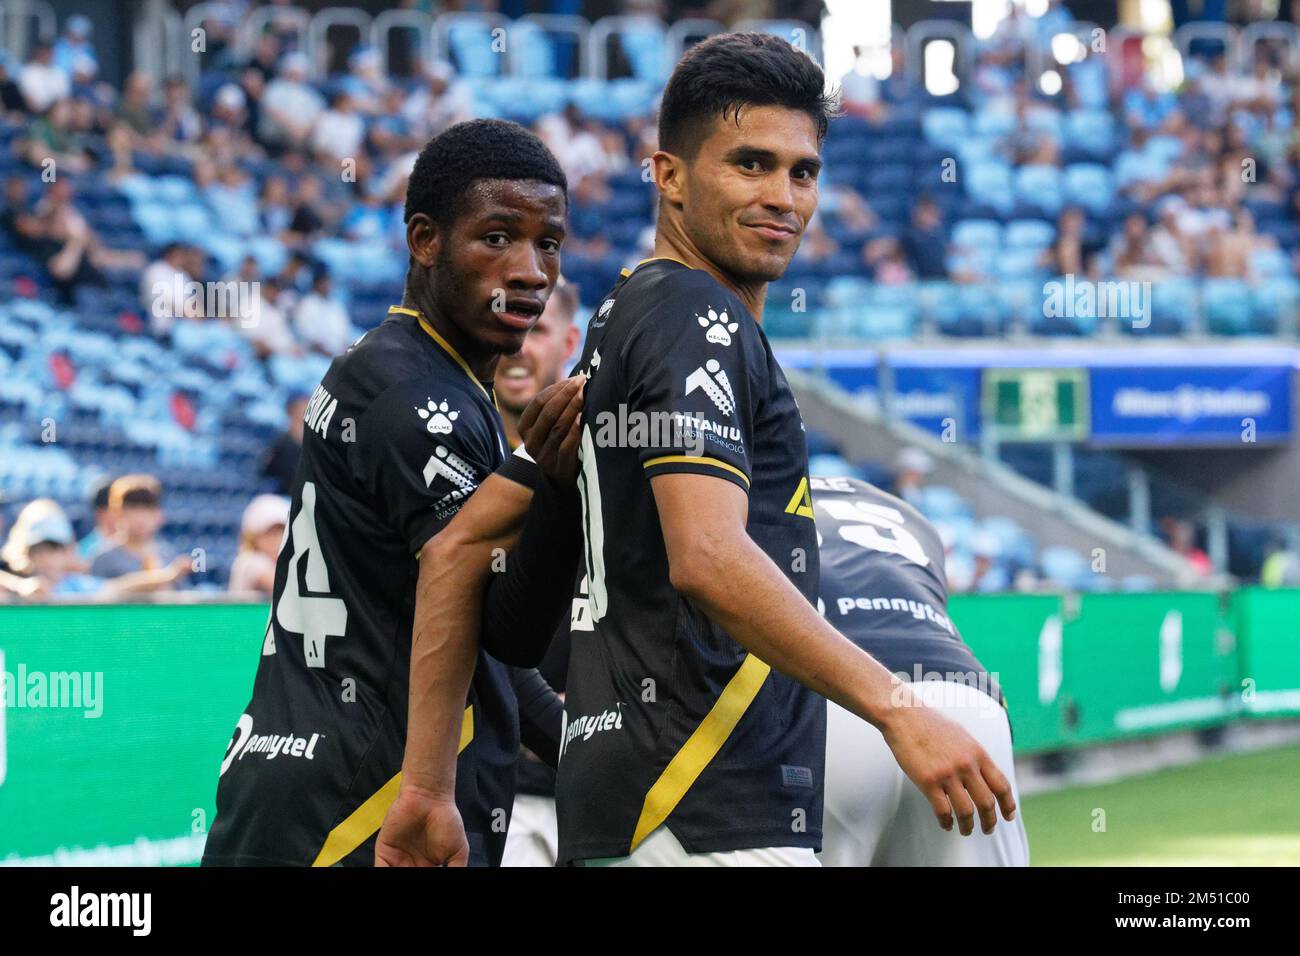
{"x": 498, "y": 262}
{"x": 751, "y": 190}
{"x": 540, "y": 362}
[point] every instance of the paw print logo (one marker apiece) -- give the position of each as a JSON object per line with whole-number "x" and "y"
{"x": 437, "y": 418}
{"x": 718, "y": 329}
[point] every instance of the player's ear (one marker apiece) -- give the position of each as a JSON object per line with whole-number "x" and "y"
{"x": 423, "y": 239}
{"x": 571, "y": 338}
{"x": 669, "y": 172}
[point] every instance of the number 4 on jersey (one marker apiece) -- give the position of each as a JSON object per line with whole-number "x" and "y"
{"x": 315, "y": 615}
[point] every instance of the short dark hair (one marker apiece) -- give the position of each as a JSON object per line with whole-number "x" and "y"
{"x": 727, "y": 71}
{"x": 476, "y": 149}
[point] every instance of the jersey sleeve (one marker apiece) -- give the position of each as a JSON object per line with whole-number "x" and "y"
{"x": 420, "y": 455}
{"x": 689, "y": 367}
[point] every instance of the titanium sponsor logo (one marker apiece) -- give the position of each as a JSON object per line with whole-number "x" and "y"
{"x": 1188, "y": 402}
{"x": 697, "y": 428}
{"x": 320, "y": 409}
{"x": 74, "y": 908}
{"x": 53, "y": 690}
{"x": 587, "y": 726}
{"x": 713, "y": 380}
{"x": 718, "y": 328}
{"x": 270, "y": 746}
{"x": 631, "y": 428}
{"x": 919, "y": 610}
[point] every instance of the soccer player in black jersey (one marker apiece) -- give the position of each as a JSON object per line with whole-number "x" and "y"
{"x": 883, "y": 586}
{"x": 694, "y": 719}
{"x": 399, "y": 433}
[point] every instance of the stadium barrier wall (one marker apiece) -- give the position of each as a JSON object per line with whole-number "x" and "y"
{"x": 116, "y": 718}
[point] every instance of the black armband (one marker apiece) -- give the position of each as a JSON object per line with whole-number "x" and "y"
{"x": 526, "y": 602}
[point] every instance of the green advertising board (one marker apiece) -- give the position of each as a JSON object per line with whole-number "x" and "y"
{"x": 116, "y": 718}
{"x": 115, "y": 723}
{"x": 1269, "y": 661}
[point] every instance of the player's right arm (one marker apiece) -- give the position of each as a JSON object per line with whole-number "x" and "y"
{"x": 688, "y": 356}
{"x": 423, "y": 826}
{"x": 703, "y": 521}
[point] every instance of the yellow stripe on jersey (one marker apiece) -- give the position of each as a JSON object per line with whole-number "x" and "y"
{"x": 367, "y": 818}
{"x": 702, "y": 746}
{"x": 446, "y": 347}
{"x": 698, "y": 460}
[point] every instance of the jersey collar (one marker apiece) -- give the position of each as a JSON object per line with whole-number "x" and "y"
{"x": 627, "y": 272}
{"x": 446, "y": 347}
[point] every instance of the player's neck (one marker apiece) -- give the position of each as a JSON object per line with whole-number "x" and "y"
{"x": 482, "y": 362}
{"x": 754, "y": 295}
{"x": 510, "y": 421}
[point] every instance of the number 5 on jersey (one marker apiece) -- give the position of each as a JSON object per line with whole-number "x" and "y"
{"x": 315, "y": 615}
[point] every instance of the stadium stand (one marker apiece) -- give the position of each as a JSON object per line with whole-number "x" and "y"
{"x": 234, "y": 173}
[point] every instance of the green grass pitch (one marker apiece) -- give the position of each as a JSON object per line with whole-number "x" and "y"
{"x": 1235, "y": 810}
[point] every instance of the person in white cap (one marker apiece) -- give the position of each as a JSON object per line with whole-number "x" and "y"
{"x": 260, "y": 534}
{"x": 911, "y": 468}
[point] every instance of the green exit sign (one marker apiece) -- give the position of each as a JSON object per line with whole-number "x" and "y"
{"x": 1036, "y": 404}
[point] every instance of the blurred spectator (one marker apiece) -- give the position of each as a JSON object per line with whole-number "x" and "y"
{"x": 290, "y": 105}
{"x": 266, "y": 327}
{"x": 260, "y": 534}
{"x": 136, "y": 504}
{"x": 925, "y": 242}
{"x": 53, "y": 139}
{"x": 886, "y": 262}
{"x": 1281, "y": 567}
{"x": 40, "y": 548}
{"x": 41, "y": 81}
{"x": 161, "y": 297}
{"x": 911, "y": 469}
{"x": 104, "y": 525}
{"x": 441, "y": 102}
{"x": 181, "y": 122}
{"x": 137, "y": 111}
{"x": 338, "y": 131}
{"x": 1180, "y": 535}
{"x": 860, "y": 90}
{"x": 12, "y": 101}
{"x": 280, "y": 460}
{"x": 74, "y": 44}
{"x": 320, "y": 321}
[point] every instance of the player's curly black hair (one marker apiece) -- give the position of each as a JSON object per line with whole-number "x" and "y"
{"x": 727, "y": 71}
{"x": 476, "y": 149}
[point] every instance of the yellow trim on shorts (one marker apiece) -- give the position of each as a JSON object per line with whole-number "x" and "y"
{"x": 367, "y": 818}
{"x": 698, "y": 460}
{"x": 702, "y": 746}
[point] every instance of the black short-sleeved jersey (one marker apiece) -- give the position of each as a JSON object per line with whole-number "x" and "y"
{"x": 667, "y": 719}
{"x": 398, "y": 434}
{"x": 883, "y": 584}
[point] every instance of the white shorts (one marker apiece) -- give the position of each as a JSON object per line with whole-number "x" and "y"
{"x": 532, "y": 839}
{"x": 661, "y": 848}
{"x": 875, "y": 815}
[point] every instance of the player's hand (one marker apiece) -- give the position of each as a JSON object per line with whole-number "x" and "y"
{"x": 422, "y": 829}
{"x": 949, "y": 767}
{"x": 551, "y": 428}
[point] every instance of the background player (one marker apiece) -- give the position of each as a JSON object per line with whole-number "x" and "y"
{"x": 400, "y": 432}
{"x": 883, "y": 586}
